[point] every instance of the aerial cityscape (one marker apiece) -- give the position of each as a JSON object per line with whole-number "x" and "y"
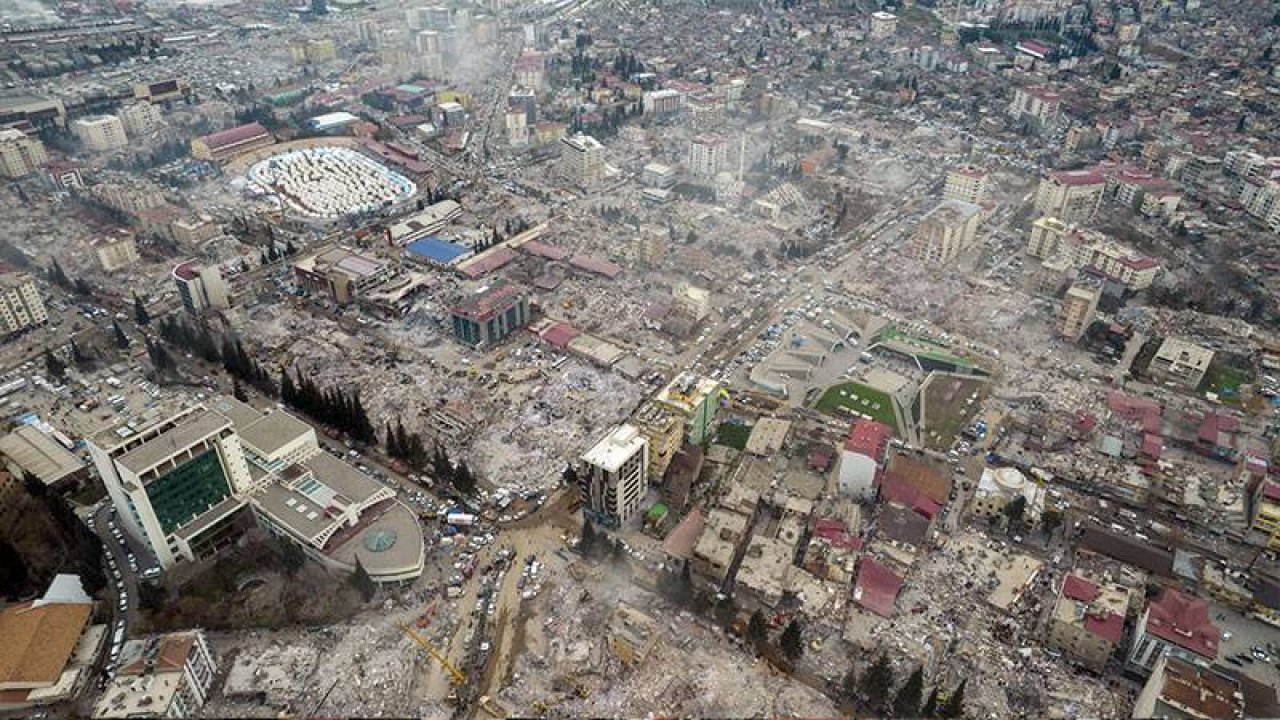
{"x": 640, "y": 359}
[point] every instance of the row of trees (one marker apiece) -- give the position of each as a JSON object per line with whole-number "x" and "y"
{"x": 409, "y": 447}
{"x": 59, "y": 277}
{"x": 333, "y": 406}
{"x": 874, "y": 689}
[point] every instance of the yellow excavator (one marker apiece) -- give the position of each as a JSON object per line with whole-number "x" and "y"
{"x": 455, "y": 674}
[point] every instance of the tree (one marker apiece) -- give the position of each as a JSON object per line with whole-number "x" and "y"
{"x": 726, "y": 611}
{"x": 78, "y": 356}
{"x": 140, "y": 314}
{"x": 238, "y": 392}
{"x": 876, "y": 682}
{"x": 954, "y": 706}
{"x": 58, "y": 275}
{"x": 13, "y": 570}
{"x": 122, "y": 340}
{"x": 294, "y": 559}
{"x": 931, "y": 705}
{"x": 906, "y": 704}
{"x": 570, "y": 475}
{"x": 792, "y": 640}
{"x": 362, "y": 582}
{"x": 1050, "y": 520}
{"x": 55, "y": 367}
{"x": 757, "y": 628}
{"x": 1014, "y": 510}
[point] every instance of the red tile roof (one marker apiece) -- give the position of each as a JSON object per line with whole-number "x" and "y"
{"x": 560, "y": 334}
{"x": 1152, "y": 445}
{"x": 488, "y": 262}
{"x": 595, "y": 265}
{"x": 877, "y": 588}
{"x": 1136, "y": 409}
{"x": 1184, "y": 620}
{"x": 896, "y": 488}
{"x": 234, "y": 136}
{"x": 1077, "y": 588}
{"x": 1078, "y": 177}
{"x": 543, "y": 250}
{"x": 868, "y": 437}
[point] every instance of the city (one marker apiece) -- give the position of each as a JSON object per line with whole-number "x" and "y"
{"x": 572, "y": 358}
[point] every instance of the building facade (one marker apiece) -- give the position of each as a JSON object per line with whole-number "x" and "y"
{"x": 140, "y": 119}
{"x": 20, "y": 154}
{"x": 1116, "y": 261}
{"x": 615, "y": 476}
{"x": 200, "y": 287}
{"x": 1077, "y": 313}
{"x": 581, "y": 159}
{"x": 100, "y": 132}
{"x": 116, "y": 252}
{"x": 708, "y": 155}
{"x": 945, "y": 232}
{"x": 1174, "y": 624}
{"x": 490, "y": 315}
{"x": 697, "y": 401}
{"x": 863, "y": 458}
{"x": 967, "y": 184}
{"x": 1181, "y": 362}
{"x": 168, "y": 676}
{"x": 1071, "y": 196}
{"x": 1048, "y": 236}
{"x": 21, "y": 307}
{"x": 883, "y": 25}
{"x": 1088, "y": 620}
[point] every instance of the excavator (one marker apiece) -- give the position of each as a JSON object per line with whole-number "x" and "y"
{"x": 455, "y": 674}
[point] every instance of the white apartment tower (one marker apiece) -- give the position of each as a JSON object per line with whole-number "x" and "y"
{"x": 100, "y": 132}
{"x": 614, "y": 476}
{"x": 20, "y": 155}
{"x": 582, "y": 159}
{"x": 200, "y": 287}
{"x": 708, "y": 155}
{"x": 20, "y": 304}
{"x": 966, "y": 183}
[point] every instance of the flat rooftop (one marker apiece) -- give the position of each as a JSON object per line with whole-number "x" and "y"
{"x": 189, "y": 431}
{"x": 272, "y": 432}
{"x": 620, "y": 445}
{"x": 38, "y": 454}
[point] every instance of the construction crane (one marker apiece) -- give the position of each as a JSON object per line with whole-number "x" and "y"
{"x": 454, "y": 673}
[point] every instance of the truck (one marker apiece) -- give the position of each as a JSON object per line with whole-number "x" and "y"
{"x": 453, "y": 591}
{"x": 460, "y": 519}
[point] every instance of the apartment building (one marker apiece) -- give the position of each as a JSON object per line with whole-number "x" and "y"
{"x": 1116, "y": 261}
{"x": 708, "y": 155}
{"x": 582, "y": 159}
{"x": 140, "y": 119}
{"x": 1077, "y": 313}
{"x": 100, "y": 132}
{"x": 165, "y": 676}
{"x": 1071, "y": 196}
{"x": 1048, "y": 236}
{"x": 200, "y": 287}
{"x": 967, "y": 184}
{"x": 1266, "y": 512}
{"x": 946, "y": 231}
{"x": 1181, "y": 362}
{"x": 1087, "y": 622}
{"x": 662, "y": 102}
{"x": 615, "y": 476}
{"x": 21, "y": 307}
{"x": 1174, "y": 624}
{"x": 1038, "y": 104}
{"x": 116, "y": 251}
{"x": 696, "y": 400}
{"x": 883, "y": 25}
{"x": 20, "y": 154}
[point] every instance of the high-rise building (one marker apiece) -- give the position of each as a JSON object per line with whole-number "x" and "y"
{"x": 708, "y": 155}
{"x": 20, "y": 154}
{"x": 491, "y": 314}
{"x": 168, "y": 676}
{"x": 200, "y": 287}
{"x": 1078, "y": 308}
{"x": 615, "y": 476}
{"x": 946, "y": 231}
{"x": 582, "y": 159}
{"x": 1048, "y": 236}
{"x": 883, "y": 25}
{"x": 427, "y": 42}
{"x": 100, "y": 132}
{"x": 367, "y": 32}
{"x": 20, "y": 305}
{"x": 176, "y": 482}
{"x": 695, "y": 399}
{"x": 1072, "y": 196}
{"x": 140, "y": 119}
{"x": 966, "y": 183}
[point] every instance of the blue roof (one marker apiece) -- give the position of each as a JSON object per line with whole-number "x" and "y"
{"x": 437, "y": 250}
{"x": 411, "y": 88}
